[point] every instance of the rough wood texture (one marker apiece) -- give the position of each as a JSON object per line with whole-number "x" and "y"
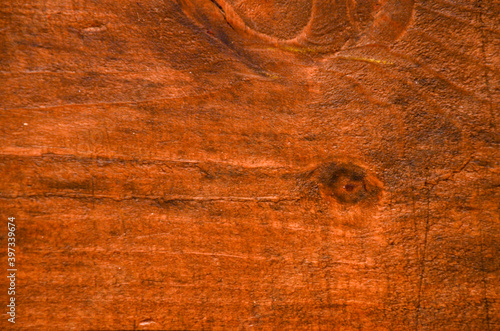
{"x": 224, "y": 164}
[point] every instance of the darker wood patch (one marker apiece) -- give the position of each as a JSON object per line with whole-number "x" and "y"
{"x": 348, "y": 183}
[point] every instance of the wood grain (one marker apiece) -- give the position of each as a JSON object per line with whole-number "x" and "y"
{"x": 269, "y": 165}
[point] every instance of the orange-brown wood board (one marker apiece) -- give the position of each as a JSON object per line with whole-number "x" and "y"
{"x": 250, "y": 164}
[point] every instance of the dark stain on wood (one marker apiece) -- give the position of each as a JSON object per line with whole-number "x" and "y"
{"x": 349, "y": 183}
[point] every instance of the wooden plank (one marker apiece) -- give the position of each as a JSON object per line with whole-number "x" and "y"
{"x": 220, "y": 164}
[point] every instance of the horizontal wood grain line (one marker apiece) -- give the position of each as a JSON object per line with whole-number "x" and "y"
{"x": 209, "y": 254}
{"x": 131, "y": 160}
{"x": 90, "y": 179}
{"x": 109, "y": 103}
{"x": 165, "y": 198}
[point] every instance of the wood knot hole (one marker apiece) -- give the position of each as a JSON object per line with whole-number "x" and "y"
{"x": 348, "y": 183}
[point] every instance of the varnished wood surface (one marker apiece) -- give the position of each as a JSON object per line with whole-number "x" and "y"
{"x": 267, "y": 165}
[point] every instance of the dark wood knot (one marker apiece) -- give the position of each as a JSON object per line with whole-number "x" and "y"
{"x": 348, "y": 183}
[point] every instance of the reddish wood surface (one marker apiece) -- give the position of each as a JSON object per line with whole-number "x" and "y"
{"x": 197, "y": 164}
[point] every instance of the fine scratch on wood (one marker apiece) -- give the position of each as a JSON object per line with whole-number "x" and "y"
{"x": 422, "y": 262}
